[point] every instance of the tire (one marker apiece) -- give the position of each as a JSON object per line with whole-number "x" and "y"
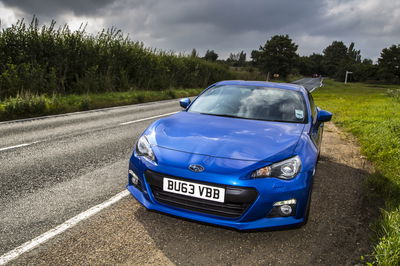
{"x": 308, "y": 203}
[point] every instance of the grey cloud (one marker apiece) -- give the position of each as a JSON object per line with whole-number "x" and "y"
{"x": 224, "y": 25}
{"x": 235, "y": 16}
{"x": 49, "y": 8}
{"x": 233, "y": 25}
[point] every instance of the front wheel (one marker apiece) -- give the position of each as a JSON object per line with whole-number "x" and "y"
{"x": 308, "y": 203}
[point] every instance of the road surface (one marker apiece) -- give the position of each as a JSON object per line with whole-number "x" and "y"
{"x": 309, "y": 83}
{"x": 69, "y": 164}
{"x": 54, "y": 168}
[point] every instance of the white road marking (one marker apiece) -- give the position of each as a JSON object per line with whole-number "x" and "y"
{"x": 147, "y": 118}
{"x": 27, "y": 246}
{"x": 121, "y": 124}
{"x": 320, "y": 85}
{"x": 84, "y": 112}
{"x": 18, "y": 146}
{"x": 5, "y": 258}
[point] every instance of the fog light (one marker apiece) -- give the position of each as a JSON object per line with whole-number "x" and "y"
{"x": 285, "y": 209}
{"x": 285, "y": 202}
{"x": 134, "y": 177}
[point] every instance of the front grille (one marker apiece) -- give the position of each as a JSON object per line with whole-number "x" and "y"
{"x": 237, "y": 199}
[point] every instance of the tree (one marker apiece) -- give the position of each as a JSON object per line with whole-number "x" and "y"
{"x": 317, "y": 66}
{"x": 389, "y": 64}
{"x": 211, "y": 56}
{"x": 354, "y": 55}
{"x": 334, "y": 55}
{"x": 278, "y": 55}
{"x": 338, "y": 58}
{"x": 308, "y": 65}
{"x": 365, "y": 71}
{"x": 237, "y": 60}
{"x": 194, "y": 53}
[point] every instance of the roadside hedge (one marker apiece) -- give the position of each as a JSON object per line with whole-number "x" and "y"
{"x": 56, "y": 60}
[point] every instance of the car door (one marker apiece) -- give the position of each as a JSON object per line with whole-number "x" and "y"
{"x": 316, "y": 127}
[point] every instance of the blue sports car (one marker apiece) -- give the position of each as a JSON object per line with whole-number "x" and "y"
{"x": 242, "y": 154}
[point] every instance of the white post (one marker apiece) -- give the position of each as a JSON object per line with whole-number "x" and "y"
{"x": 347, "y": 73}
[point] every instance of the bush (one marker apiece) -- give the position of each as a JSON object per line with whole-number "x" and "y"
{"x": 394, "y": 93}
{"x": 26, "y": 104}
{"x": 51, "y": 60}
{"x": 31, "y": 105}
{"x": 84, "y": 103}
{"x": 171, "y": 94}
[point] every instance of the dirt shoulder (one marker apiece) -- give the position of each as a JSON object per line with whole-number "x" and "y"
{"x": 337, "y": 232}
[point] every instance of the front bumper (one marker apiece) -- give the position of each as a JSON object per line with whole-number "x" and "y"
{"x": 255, "y": 216}
{"x": 239, "y": 225}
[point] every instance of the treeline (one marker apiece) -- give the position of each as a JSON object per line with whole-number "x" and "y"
{"x": 57, "y": 60}
{"x": 234, "y": 59}
{"x": 337, "y": 58}
{"x": 279, "y": 55}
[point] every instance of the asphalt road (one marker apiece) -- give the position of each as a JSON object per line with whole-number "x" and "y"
{"x": 73, "y": 162}
{"x": 310, "y": 83}
{"x": 336, "y": 234}
{"x": 54, "y": 168}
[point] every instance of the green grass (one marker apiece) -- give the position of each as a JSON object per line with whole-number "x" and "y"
{"x": 372, "y": 114}
{"x": 31, "y": 105}
{"x": 28, "y": 104}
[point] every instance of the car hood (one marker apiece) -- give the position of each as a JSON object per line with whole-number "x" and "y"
{"x": 225, "y": 137}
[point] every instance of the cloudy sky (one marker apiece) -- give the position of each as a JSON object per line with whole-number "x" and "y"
{"x": 226, "y": 25}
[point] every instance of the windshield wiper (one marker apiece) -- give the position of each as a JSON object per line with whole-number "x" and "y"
{"x": 223, "y": 115}
{"x": 248, "y": 118}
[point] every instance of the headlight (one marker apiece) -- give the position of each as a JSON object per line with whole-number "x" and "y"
{"x": 286, "y": 169}
{"x": 143, "y": 148}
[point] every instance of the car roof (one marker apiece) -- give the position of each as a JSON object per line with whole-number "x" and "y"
{"x": 287, "y": 86}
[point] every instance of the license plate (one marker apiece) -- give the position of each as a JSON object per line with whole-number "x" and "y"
{"x": 194, "y": 189}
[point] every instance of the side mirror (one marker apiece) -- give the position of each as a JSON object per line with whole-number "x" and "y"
{"x": 324, "y": 116}
{"x": 184, "y": 103}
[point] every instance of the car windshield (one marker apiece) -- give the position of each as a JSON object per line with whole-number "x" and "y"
{"x": 252, "y": 102}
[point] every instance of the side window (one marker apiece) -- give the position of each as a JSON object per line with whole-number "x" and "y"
{"x": 313, "y": 107}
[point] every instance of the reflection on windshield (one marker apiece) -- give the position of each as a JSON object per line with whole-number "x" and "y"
{"x": 251, "y": 102}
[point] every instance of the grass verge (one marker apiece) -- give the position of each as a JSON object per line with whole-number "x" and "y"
{"x": 371, "y": 113}
{"x": 28, "y": 105}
